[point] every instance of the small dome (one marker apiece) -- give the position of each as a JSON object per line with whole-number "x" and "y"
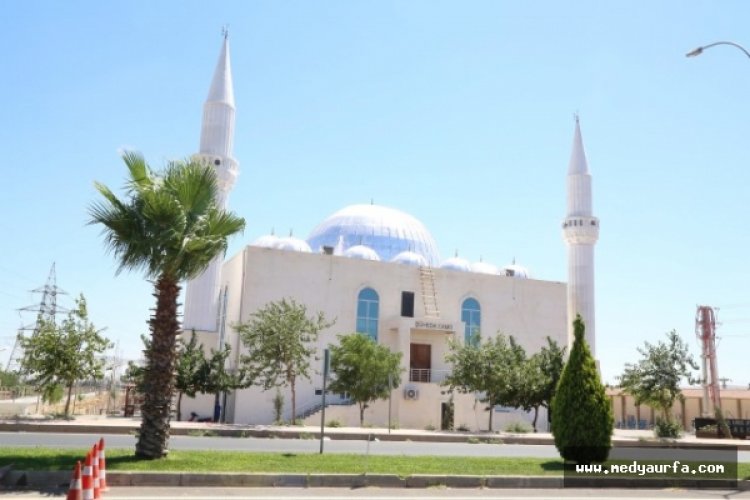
{"x": 410, "y": 258}
{"x": 293, "y": 244}
{"x": 483, "y": 267}
{"x": 266, "y": 241}
{"x": 516, "y": 271}
{"x": 361, "y": 252}
{"x": 456, "y": 264}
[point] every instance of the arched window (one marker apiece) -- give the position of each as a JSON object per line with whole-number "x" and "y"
{"x": 368, "y": 305}
{"x": 471, "y": 315}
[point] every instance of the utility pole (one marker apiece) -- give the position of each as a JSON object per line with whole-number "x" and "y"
{"x": 705, "y": 330}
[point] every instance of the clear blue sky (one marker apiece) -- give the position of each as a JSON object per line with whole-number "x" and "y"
{"x": 460, "y": 113}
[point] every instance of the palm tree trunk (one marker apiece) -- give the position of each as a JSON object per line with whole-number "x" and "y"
{"x": 158, "y": 383}
{"x": 361, "y": 414}
{"x": 536, "y": 414}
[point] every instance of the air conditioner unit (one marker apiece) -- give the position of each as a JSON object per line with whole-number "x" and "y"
{"x": 411, "y": 393}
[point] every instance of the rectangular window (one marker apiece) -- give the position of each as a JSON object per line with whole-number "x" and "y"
{"x": 407, "y": 304}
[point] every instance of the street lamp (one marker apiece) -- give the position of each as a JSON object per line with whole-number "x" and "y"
{"x": 699, "y": 50}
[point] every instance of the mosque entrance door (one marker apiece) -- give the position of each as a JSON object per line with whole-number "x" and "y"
{"x": 420, "y": 363}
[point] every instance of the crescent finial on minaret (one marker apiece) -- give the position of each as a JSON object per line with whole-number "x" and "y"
{"x": 225, "y": 31}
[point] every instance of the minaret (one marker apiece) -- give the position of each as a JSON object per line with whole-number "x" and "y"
{"x": 217, "y": 140}
{"x": 580, "y": 231}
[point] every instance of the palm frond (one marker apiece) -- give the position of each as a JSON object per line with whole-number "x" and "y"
{"x": 140, "y": 172}
{"x": 170, "y": 225}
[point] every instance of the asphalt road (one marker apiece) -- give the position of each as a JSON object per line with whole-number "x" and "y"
{"x": 392, "y": 494}
{"x": 68, "y": 440}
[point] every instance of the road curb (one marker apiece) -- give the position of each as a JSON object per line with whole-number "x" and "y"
{"x": 58, "y": 480}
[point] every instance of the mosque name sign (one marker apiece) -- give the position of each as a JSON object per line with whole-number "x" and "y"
{"x": 432, "y": 325}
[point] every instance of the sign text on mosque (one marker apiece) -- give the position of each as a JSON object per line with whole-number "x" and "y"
{"x": 431, "y": 325}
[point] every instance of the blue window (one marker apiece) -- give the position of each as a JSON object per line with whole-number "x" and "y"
{"x": 368, "y": 305}
{"x": 471, "y": 315}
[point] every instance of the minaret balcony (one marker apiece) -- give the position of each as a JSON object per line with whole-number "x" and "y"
{"x": 581, "y": 230}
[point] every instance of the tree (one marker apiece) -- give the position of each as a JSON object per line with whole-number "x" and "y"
{"x": 215, "y": 376}
{"x": 133, "y": 375}
{"x": 189, "y": 377}
{"x": 280, "y": 342}
{"x": 655, "y": 379}
{"x": 582, "y": 420}
{"x": 364, "y": 369}
{"x": 541, "y": 373}
{"x": 194, "y": 372}
{"x": 59, "y": 356}
{"x": 171, "y": 228}
{"x": 9, "y": 379}
{"x": 493, "y": 368}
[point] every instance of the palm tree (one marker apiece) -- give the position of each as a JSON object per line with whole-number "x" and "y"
{"x": 170, "y": 228}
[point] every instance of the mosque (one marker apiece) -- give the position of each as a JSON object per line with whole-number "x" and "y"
{"x": 378, "y": 271}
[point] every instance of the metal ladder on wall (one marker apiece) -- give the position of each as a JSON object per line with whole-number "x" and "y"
{"x": 429, "y": 292}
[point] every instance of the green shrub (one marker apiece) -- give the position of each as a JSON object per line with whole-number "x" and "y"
{"x": 333, "y": 423}
{"x": 473, "y": 440}
{"x": 710, "y": 429}
{"x": 723, "y": 430}
{"x": 518, "y": 427}
{"x": 582, "y": 420}
{"x": 667, "y": 429}
{"x": 429, "y": 427}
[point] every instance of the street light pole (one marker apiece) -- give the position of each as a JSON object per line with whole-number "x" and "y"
{"x": 699, "y": 50}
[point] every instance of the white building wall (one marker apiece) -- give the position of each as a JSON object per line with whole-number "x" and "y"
{"x": 528, "y": 309}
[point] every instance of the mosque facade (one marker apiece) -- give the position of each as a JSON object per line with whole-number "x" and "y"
{"x": 377, "y": 270}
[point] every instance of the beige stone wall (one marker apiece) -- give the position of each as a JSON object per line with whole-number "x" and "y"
{"x": 736, "y": 404}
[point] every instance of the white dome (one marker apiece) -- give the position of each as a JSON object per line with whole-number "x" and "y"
{"x": 456, "y": 264}
{"x": 266, "y": 241}
{"x": 361, "y": 252}
{"x": 410, "y": 258}
{"x": 385, "y": 230}
{"x": 483, "y": 267}
{"x": 516, "y": 271}
{"x": 293, "y": 244}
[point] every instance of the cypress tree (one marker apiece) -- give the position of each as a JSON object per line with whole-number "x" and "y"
{"x": 582, "y": 420}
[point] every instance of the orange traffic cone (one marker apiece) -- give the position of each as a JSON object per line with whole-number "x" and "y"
{"x": 95, "y": 472}
{"x": 74, "y": 491}
{"x": 102, "y": 467}
{"x": 87, "y": 480}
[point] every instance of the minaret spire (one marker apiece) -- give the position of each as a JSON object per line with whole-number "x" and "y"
{"x": 580, "y": 232}
{"x": 216, "y": 149}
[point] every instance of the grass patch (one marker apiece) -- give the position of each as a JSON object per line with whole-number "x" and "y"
{"x": 229, "y": 461}
{"x": 310, "y": 463}
{"x": 202, "y": 433}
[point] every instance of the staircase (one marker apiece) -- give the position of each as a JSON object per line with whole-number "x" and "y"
{"x": 314, "y": 406}
{"x": 429, "y": 293}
